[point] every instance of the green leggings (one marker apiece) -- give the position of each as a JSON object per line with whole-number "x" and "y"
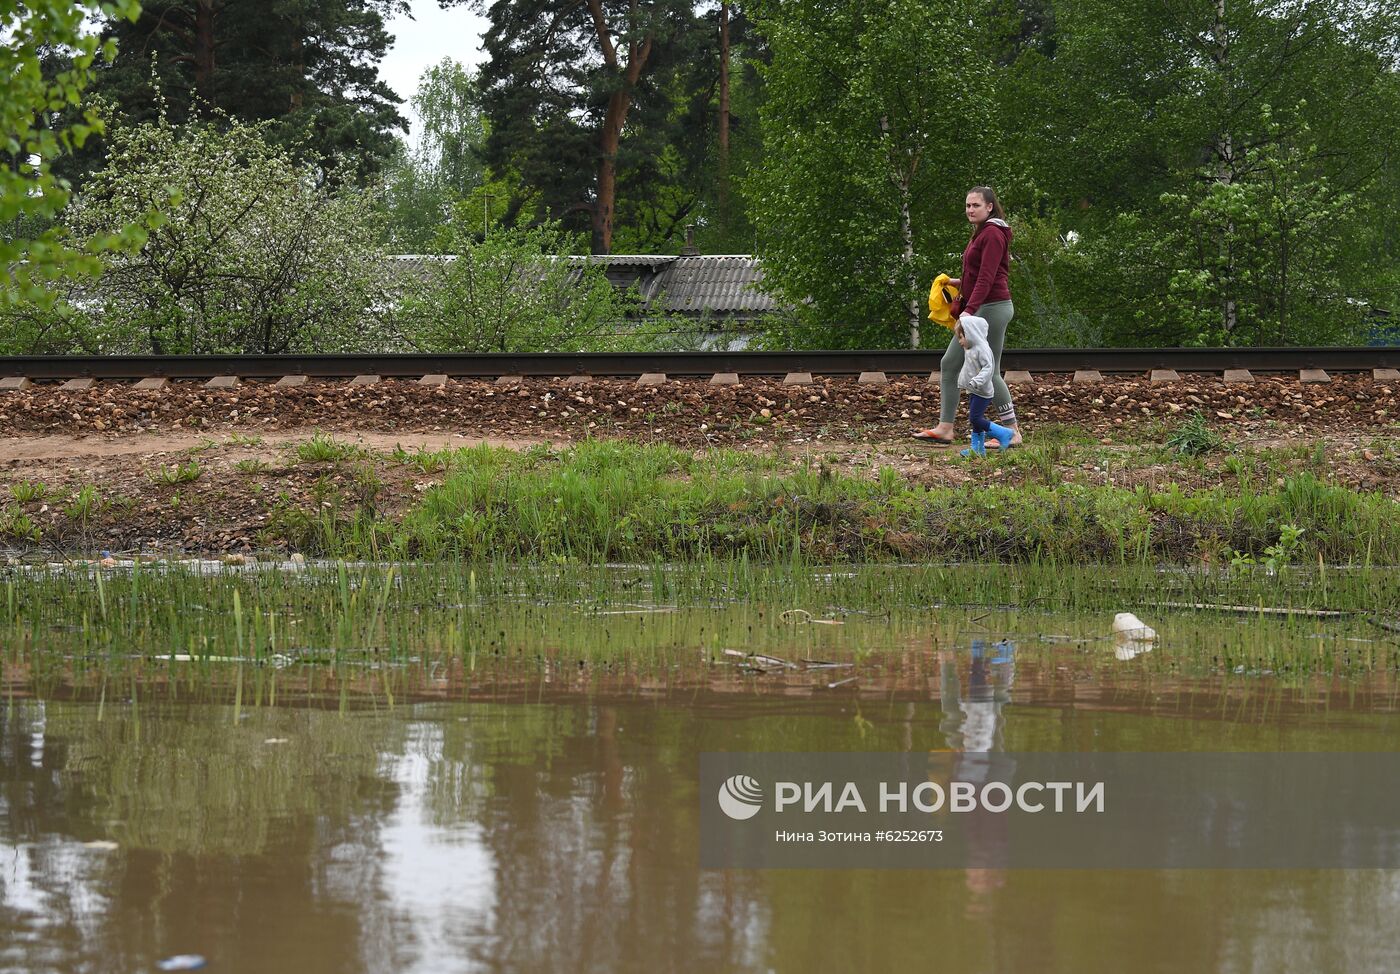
{"x": 998, "y": 315}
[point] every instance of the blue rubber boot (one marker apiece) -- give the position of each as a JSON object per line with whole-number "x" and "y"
{"x": 1002, "y": 434}
{"x": 979, "y": 446}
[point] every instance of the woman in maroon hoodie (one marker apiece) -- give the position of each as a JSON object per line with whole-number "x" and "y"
{"x": 984, "y": 293}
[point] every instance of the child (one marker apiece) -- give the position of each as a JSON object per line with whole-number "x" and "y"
{"x": 976, "y": 379}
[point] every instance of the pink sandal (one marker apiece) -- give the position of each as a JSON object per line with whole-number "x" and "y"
{"x": 929, "y": 436}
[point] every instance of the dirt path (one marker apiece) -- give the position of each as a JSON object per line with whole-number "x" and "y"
{"x": 23, "y": 449}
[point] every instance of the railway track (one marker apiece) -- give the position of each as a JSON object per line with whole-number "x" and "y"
{"x": 1163, "y": 364}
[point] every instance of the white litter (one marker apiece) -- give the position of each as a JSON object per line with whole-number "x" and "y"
{"x": 1130, "y": 626}
{"x": 1131, "y": 636}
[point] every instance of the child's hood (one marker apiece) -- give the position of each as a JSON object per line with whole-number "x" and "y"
{"x": 974, "y": 328}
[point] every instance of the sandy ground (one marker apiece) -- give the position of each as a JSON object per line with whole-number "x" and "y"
{"x": 85, "y": 446}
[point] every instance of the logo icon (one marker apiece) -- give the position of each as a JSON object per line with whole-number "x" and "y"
{"x": 740, "y": 797}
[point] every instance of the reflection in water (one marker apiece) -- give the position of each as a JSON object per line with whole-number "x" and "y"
{"x": 1126, "y": 647}
{"x": 563, "y": 836}
{"x": 511, "y": 838}
{"x": 973, "y": 723}
{"x": 973, "y": 727}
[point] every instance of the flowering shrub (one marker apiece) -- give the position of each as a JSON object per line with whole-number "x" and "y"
{"x": 254, "y": 254}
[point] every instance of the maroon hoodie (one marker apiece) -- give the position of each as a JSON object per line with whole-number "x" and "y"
{"x": 986, "y": 263}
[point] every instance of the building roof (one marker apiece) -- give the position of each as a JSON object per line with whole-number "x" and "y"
{"x": 717, "y": 284}
{"x": 626, "y": 260}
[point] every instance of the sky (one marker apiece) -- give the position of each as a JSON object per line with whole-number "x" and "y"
{"x": 423, "y": 41}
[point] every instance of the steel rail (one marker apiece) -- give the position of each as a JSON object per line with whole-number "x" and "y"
{"x": 674, "y": 364}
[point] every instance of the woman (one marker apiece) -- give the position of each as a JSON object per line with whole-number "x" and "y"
{"x": 984, "y": 293}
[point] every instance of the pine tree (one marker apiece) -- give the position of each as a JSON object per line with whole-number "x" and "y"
{"x": 311, "y": 66}
{"x": 578, "y": 99}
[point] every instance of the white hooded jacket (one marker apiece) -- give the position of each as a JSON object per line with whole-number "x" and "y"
{"x": 978, "y": 364}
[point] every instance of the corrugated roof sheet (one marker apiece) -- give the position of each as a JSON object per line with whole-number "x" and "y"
{"x": 640, "y": 260}
{"x": 717, "y": 284}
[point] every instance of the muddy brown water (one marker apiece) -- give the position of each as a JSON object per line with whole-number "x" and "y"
{"x": 546, "y": 819}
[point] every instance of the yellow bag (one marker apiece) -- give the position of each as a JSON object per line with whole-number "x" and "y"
{"x": 940, "y": 301}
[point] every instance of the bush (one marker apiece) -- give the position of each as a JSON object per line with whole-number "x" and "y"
{"x": 515, "y": 291}
{"x": 255, "y": 254}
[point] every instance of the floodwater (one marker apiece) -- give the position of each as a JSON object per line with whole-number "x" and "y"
{"x": 544, "y": 816}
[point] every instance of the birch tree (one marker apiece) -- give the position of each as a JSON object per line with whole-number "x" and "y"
{"x": 874, "y": 128}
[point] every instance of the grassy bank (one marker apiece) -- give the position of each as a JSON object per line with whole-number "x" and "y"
{"x": 613, "y": 501}
{"x": 1067, "y": 499}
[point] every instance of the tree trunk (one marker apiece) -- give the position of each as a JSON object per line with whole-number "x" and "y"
{"x": 906, "y": 231}
{"x": 299, "y": 61}
{"x": 605, "y": 205}
{"x": 723, "y": 82}
{"x": 1283, "y": 283}
{"x": 724, "y": 114}
{"x": 1225, "y": 168}
{"x": 203, "y": 52}
{"x": 902, "y": 176}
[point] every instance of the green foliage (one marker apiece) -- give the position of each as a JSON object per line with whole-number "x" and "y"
{"x": 585, "y": 99}
{"x": 1277, "y": 556}
{"x": 515, "y": 292}
{"x": 1218, "y": 195}
{"x": 46, "y": 323}
{"x": 253, "y": 256}
{"x": 18, "y": 526}
{"x": 426, "y": 461}
{"x": 679, "y": 173}
{"x": 251, "y": 466}
{"x": 427, "y": 178}
{"x": 87, "y": 502}
{"x": 452, "y": 129}
{"x": 41, "y": 120}
{"x": 616, "y": 501}
{"x": 1047, "y": 306}
{"x": 233, "y": 439}
{"x": 415, "y": 206}
{"x": 28, "y": 491}
{"x": 1255, "y": 258}
{"x": 324, "y": 449}
{"x": 858, "y": 201}
{"x": 1245, "y": 255}
{"x": 1189, "y": 173}
{"x": 612, "y": 124}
